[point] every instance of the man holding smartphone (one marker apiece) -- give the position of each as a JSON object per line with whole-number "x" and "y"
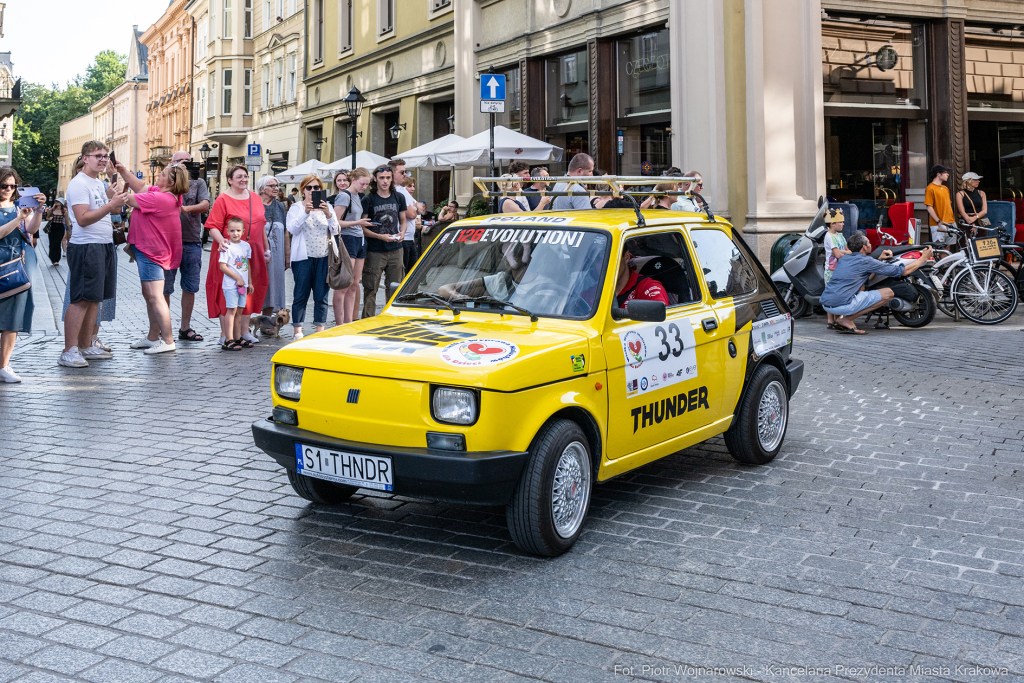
{"x": 194, "y": 203}
{"x": 91, "y": 256}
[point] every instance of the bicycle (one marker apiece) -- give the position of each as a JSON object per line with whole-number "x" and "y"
{"x": 972, "y": 282}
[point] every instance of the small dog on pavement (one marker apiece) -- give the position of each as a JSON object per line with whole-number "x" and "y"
{"x": 270, "y": 325}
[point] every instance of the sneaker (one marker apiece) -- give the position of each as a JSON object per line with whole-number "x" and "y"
{"x": 96, "y": 353}
{"x": 100, "y": 345}
{"x": 298, "y": 334}
{"x": 249, "y": 338}
{"x": 144, "y": 343}
{"x": 9, "y": 375}
{"x": 160, "y": 346}
{"x": 220, "y": 342}
{"x": 72, "y": 358}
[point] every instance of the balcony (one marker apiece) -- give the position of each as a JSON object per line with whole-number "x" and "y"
{"x": 161, "y": 154}
{"x": 10, "y": 96}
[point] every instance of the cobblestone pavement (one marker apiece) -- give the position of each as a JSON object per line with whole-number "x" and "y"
{"x": 144, "y": 538}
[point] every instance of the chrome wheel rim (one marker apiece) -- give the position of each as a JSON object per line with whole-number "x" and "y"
{"x": 772, "y": 412}
{"x": 570, "y": 490}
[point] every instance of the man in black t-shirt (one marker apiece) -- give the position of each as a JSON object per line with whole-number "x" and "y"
{"x": 388, "y": 212}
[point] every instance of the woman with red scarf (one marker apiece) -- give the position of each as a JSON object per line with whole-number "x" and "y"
{"x": 238, "y": 201}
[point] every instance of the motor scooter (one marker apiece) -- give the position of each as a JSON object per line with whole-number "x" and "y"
{"x": 914, "y": 299}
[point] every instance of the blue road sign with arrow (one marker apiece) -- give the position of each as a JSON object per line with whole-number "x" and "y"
{"x": 492, "y": 87}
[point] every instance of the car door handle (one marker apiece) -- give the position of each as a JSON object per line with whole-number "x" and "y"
{"x": 709, "y": 324}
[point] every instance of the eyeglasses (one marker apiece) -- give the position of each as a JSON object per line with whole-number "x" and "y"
{"x": 7, "y": 187}
{"x": 99, "y": 157}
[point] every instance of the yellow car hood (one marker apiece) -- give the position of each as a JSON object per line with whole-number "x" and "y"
{"x": 481, "y": 350}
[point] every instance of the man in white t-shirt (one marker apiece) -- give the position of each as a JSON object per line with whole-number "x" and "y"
{"x": 91, "y": 256}
{"x": 412, "y": 253}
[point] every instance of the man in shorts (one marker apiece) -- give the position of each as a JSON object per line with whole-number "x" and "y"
{"x": 193, "y": 203}
{"x": 91, "y": 256}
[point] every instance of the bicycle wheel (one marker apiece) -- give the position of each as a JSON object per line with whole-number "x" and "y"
{"x": 984, "y": 295}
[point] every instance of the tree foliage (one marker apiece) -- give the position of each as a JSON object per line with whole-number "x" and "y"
{"x": 43, "y": 110}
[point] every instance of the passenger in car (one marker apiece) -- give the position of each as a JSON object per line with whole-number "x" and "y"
{"x": 632, "y": 285}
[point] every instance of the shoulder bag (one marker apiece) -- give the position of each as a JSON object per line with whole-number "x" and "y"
{"x": 981, "y": 222}
{"x": 14, "y": 274}
{"x": 339, "y": 264}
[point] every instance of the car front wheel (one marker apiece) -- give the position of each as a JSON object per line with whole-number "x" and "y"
{"x": 320, "y": 491}
{"x": 552, "y": 497}
{"x": 759, "y": 427}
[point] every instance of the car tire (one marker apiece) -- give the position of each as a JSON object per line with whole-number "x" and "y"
{"x": 550, "y": 502}
{"x": 759, "y": 428}
{"x": 320, "y": 491}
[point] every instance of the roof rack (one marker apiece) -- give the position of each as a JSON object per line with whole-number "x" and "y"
{"x": 617, "y": 186}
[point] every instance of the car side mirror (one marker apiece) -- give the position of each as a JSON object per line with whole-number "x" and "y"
{"x": 641, "y": 311}
{"x": 392, "y": 288}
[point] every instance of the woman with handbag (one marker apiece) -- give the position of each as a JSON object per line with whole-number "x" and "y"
{"x": 310, "y": 227}
{"x": 971, "y": 202}
{"x": 237, "y": 200}
{"x": 55, "y": 229}
{"x": 16, "y": 260}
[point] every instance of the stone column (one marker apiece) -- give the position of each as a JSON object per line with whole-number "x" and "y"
{"x": 467, "y": 33}
{"x": 785, "y": 119}
{"x": 601, "y": 61}
{"x": 697, "y": 56}
{"x": 947, "y": 97}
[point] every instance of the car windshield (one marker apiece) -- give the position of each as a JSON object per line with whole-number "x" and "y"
{"x": 530, "y": 270}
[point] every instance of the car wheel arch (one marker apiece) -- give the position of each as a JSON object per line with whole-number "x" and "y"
{"x": 590, "y": 428}
{"x": 772, "y": 358}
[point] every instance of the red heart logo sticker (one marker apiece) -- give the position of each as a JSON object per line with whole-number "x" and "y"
{"x": 634, "y": 346}
{"x": 483, "y": 349}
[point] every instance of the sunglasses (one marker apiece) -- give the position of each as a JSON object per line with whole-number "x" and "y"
{"x": 313, "y": 187}
{"x": 7, "y": 187}
{"x": 383, "y": 169}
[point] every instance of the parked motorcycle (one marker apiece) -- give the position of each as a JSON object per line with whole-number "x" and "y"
{"x": 801, "y": 281}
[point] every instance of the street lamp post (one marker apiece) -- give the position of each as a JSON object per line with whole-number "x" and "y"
{"x": 318, "y": 144}
{"x": 153, "y": 165}
{"x": 354, "y": 106}
{"x": 451, "y": 124}
{"x": 396, "y": 131}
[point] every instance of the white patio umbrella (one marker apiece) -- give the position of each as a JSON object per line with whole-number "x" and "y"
{"x": 423, "y": 156}
{"x": 364, "y": 159}
{"x": 294, "y": 175}
{"x": 508, "y": 145}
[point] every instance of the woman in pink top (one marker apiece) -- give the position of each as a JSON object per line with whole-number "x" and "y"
{"x": 155, "y": 235}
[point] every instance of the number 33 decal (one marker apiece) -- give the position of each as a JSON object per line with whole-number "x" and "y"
{"x": 661, "y": 334}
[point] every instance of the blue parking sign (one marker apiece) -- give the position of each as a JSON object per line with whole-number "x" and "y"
{"x": 253, "y": 150}
{"x": 492, "y": 86}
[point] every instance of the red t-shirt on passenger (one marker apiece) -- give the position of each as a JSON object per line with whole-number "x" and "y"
{"x": 642, "y": 288}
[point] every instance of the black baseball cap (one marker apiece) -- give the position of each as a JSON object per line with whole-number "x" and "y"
{"x": 939, "y": 168}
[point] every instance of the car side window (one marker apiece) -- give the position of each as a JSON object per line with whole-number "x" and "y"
{"x": 726, "y": 270}
{"x": 663, "y": 256}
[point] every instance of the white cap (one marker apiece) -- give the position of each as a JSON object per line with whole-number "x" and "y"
{"x": 971, "y": 175}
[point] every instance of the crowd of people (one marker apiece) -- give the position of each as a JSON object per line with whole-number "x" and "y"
{"x": 257, "y": 237}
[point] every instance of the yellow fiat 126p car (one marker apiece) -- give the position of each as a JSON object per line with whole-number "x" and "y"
{"x": 527, "y": 357}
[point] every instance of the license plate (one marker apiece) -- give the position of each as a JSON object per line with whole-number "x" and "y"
{"x": 354, "y": 469}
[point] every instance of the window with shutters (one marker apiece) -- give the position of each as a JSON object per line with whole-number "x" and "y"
{"x": 385, "y": 17}
{"x": 266, "y": 86}
{"x": 345, "y": 22}
{"x": 291, "y": 78}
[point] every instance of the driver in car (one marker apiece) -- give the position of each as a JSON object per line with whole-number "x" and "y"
{"x": 632, "y": 285}
{"x": 502, "y": 284}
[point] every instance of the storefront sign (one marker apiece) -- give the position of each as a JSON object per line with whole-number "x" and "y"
{"x": 646, "y": 64}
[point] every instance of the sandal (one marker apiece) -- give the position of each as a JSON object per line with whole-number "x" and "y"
{"x": 830, "y": 326}
{"x": 244, "y": 343}
{"x": 231, "y": 345}
{"x": 849, "y": 330}
{"x": 189, "y": 335}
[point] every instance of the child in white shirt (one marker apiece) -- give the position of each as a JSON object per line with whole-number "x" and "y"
{"x": 234, "y": 263}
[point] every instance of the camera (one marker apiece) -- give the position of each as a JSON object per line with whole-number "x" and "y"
{"x": 193, "y": 168}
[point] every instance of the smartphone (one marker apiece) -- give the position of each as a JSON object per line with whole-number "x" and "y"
{"x": 319, "y": 196}
{"x": 26, "y": 197}
{"x": 113, "y": 159}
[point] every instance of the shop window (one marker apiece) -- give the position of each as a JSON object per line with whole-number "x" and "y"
{"x": 872, "y": 61}
{"x": 994, "y": 68}
{"x": 725, "y": 269}
{"x": 997, "y": 155}
{"x": 567, "y": 86}
{"x": 643, "y": 74}
{"x": 511, "y": 118}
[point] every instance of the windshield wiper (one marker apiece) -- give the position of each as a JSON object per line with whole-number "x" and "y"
{"x": 413, "y": 296}
{"x": 498, "y": 302}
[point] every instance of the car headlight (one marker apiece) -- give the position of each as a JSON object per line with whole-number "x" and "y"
{"x": 288, "y": 382}
{"x": 453, "y": 406}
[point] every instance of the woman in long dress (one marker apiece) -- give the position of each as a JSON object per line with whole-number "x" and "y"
{"x": 238, "y": 201}
{"x": 275, "y": 212}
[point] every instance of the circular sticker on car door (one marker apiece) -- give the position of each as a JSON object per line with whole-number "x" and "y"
{"x": 473, "y": 352}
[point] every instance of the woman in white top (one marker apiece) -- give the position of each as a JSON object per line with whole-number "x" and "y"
{"x": 310, "y": 227}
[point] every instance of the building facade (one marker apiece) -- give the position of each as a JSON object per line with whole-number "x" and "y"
{"x": 10, "y": 102}
{"x": 278, "y": 91}
{"x": 73, "y": 135}
{"x": 401, "y": 55}
{"x": 169, "y": 44}
{"x": 223, "y": 104}
{"x": 119, "y": 117}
